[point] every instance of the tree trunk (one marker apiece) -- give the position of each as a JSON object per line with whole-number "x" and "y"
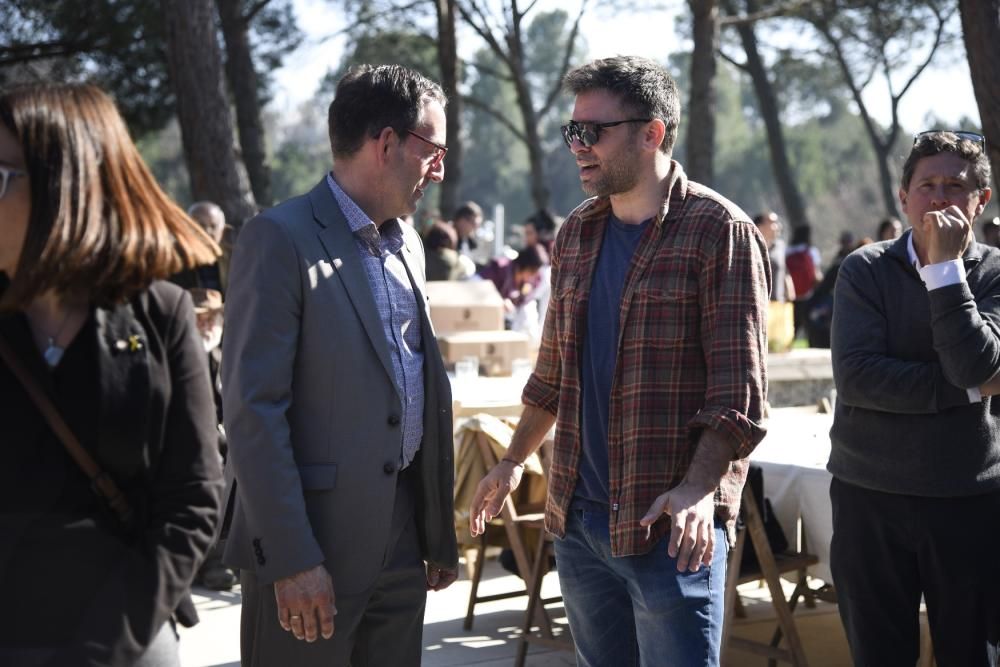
{"x": 206, "y": 130}
{"x": 767, "y": 102}
{"x": 981, "y": 30}
{"x": 243, "y": 84}
{"x": 888, "y": 183}
{"x": 700, "y": 159}
{"x": 448, "y": 62}
{"x": 881, "y": 147}
{"x": 539, "y": 190}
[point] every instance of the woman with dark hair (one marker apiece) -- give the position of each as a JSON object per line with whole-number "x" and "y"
{"x": 94, "y": 565}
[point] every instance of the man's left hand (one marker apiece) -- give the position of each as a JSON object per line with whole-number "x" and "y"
{"x": 692, "y": 532}
{"x": 440, "y": 578}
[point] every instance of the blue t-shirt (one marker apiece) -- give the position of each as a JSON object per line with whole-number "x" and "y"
{"x": 600, "y": 353}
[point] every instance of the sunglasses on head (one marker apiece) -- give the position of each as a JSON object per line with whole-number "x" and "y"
{"x": 974, "y": 137}
{"x": 589, "y": 134}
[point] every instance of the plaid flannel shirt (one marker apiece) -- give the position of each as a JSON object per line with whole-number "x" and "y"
{"x": 691, "y": 355}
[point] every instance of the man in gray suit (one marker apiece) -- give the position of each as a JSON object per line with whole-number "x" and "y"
{"x": 336, "y": 402}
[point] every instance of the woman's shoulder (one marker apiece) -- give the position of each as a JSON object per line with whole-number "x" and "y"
{"x": 165, "y": 296}
{"x": 164, "y": 304}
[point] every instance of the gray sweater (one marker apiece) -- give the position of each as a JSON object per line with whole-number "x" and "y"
{"x": 902, "y": 360}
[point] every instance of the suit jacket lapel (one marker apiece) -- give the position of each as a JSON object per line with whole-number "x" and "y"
{"x": 339, "y": 243}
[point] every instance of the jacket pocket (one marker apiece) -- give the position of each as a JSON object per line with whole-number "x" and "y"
{"x": 318, "y": 476}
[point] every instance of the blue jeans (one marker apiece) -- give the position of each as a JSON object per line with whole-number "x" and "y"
{"x": 638, "y": 610}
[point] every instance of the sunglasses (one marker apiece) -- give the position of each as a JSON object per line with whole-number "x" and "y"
{"x": 7, "y": 174}
{"x": 438, "y": 154}
{"x": 974, "y": 137}
{"x": 589, "y": 134}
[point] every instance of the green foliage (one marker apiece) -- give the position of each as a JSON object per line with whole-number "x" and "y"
{"x": 397, "y": 46}
{"x": 121, "y": 46}
{"x": 117, "y": 44}
{"x": 302, "y": 151}
{"x": 274, "y": 33}
{"x": 296, "y": 169}
{"x": 161, "y": 150}
{"x": 496, "y": 168}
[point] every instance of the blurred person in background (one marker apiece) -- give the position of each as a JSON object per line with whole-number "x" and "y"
{"x": 820, "y": 307}
{"x": 846, "y": 244}
{"x": 466, "y": 221}
{"x": 86, "y": 239}
{"x": 442, "y": 259}
{"x": 991, "y": 232}
{"x": 770, "y": 228}
{"x": 541, "y": 228}
{"x": 208, "y": 276}
{"x": 802, "y": 261}
{"x": 209, "y": 311}
{"x": 516, "y": 278}
{"x": 889, "y": 229}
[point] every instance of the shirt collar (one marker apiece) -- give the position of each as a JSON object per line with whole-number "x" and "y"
{"x": 374, "y": 239}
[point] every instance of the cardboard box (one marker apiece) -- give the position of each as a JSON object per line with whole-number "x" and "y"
{"x": 473, "y": 305}
{"x": 495, "y": 349}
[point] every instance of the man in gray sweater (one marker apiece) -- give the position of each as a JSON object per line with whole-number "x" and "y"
{"x": 916, "y": 434}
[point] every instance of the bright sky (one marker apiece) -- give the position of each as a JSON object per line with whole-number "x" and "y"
{"x": 947, "y": 86}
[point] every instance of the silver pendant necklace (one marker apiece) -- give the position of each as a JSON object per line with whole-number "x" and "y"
{"x": 53, "y": 353}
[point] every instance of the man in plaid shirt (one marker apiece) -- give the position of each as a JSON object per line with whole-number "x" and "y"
{"x": 652, "y": 369}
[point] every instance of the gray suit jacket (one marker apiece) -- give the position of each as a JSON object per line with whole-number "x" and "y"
{"x": 311, "y": 409}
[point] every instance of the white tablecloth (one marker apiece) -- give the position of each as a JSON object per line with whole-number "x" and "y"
{"x": 793, "y": 457}
{"x": 487, "y": 393}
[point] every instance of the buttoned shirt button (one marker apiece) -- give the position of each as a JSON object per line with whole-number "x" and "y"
{"x": 393, "y": 420}
{"x": 389, "y": 468}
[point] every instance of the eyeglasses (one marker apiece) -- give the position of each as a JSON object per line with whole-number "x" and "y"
{"x": 6, "y": 175}
{"x": 438, "y": 154}
{"x": 590, "y": 133}
{"x": 974, "y": 137}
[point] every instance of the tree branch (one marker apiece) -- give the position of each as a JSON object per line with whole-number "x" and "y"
{"x": 564, "y": 67}
{"x": 845, "y": 70}
{"x": 368, "y": 17}
{"x": 483, "y": 30}
{"x": 778, "y": 10}
{"x": 253, "y": 11}
{"x": 503, "y": 120}
{"x": 23, "y": 53}
{"x": 739, "y": 65}
{"x": 938, "y": 38}
{"x": 495, "y": 73}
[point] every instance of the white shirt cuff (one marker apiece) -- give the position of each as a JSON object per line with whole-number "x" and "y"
{"x": 974, "y": 395}
{"x": 943, "y": 274}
